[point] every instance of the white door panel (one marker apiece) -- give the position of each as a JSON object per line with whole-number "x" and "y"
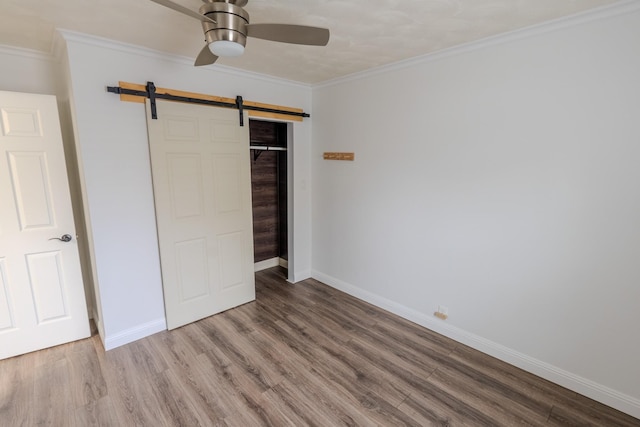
{"x": 6, "y": 315}
{"x": 31, "y": 189}
{"x": 42, "y": 299}
{"x": 202, "y": 188}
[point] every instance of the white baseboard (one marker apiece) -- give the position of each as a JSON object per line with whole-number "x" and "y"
{"x": 301, "y": 275}
{"x": 98, "y": 321}
{"x": 591, "y": 389}
{"x": 135, "y": 333}
{"x": 267, "y": 263}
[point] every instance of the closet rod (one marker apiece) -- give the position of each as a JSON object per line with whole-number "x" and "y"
{"x": 258, "y": 149}
{"x": 267, "y": 148}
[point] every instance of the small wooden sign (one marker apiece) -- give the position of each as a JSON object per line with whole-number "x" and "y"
{"x": 339, "y": 156}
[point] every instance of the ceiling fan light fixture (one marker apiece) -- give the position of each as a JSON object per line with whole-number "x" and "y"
{"x": 226, "y": 48}
{"x": 226, "y": 27}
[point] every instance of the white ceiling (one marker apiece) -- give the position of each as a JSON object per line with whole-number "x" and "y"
{"x": 364, "y": 33}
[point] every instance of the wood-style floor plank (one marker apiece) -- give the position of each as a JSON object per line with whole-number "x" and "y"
{"x": 17, "y": 390}
{"x": 98, "y": 413}
{"x": 300, "y": 355}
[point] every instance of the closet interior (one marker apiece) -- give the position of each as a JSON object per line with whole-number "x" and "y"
{"x": 268, "y": 143}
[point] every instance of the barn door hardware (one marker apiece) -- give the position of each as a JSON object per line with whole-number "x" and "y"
{"x": 150, "y": 91}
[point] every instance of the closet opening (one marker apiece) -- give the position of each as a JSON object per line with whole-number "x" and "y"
{"x": 269, "y": 190}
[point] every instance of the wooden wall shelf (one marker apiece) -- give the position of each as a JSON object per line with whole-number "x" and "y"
{"x": 339, "y": 156}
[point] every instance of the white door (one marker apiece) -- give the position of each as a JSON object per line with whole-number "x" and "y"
{"x": 202, "y": 189}
{"x": 42, "y": 301}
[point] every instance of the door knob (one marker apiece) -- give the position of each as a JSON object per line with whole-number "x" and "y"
{"x": 63, "y": 238}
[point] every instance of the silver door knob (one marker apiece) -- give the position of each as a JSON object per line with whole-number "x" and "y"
{"x": 63, "y": 238}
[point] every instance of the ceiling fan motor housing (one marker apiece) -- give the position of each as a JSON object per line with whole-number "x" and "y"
{"x": 231, "y": 22}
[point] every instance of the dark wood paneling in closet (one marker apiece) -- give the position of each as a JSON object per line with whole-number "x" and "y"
{"x": 268, "y": 133}
{"x": 264, "y": 187}
{"x": 269, "y": 191}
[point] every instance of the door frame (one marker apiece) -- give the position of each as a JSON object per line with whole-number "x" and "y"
{"x": 290, "y": 198}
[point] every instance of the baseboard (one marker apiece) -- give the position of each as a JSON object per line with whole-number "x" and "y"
{"x": 267, "y": 263}
{"x": 301, "y": 275}
{"x": 98, "y": 321}
{"x": 135, "y": 333}
{"x": 591, "y": 389}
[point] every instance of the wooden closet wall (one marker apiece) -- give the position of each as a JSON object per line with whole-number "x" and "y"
{"x": 269, "y": 190}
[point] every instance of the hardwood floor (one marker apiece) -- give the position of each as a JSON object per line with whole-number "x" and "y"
{"x": 302, "y": 354}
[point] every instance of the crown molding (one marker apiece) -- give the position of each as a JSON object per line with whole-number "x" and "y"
{"x": 25, "y": 53}
{"x": 58, "y": 47}
{"x": 600, "y": 13}
{"x": 74, "y": 36}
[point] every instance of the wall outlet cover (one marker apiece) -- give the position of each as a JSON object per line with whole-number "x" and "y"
{"x": 440, "y": 315}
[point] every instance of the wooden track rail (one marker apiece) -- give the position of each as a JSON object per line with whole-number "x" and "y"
{"x": 297, "y": 114}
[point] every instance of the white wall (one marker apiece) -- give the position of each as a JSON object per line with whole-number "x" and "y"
{"x": 27, "y": 71}
{"x": 113, "y": 148}
{"x": 500, "y": 180}
{"x": 65, "y": 102}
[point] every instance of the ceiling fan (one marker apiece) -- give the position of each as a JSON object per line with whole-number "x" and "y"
{"x": 226, "y": 28}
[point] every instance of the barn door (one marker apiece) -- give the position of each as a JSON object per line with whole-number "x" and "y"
{"x": 42, "y": 301}
{"x": 202, "y": 189}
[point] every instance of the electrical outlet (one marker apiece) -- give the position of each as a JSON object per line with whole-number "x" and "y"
{"x": 442, "y": 313}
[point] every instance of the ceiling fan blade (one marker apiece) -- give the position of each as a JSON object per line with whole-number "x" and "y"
{"x": 286, "y": 33}
{"x": 182, "y": 9}
{"x": 205, "y": 57}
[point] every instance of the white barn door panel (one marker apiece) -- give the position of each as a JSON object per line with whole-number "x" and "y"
{"x": 42, "y": 301}
{"x": 202, "y": 189}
